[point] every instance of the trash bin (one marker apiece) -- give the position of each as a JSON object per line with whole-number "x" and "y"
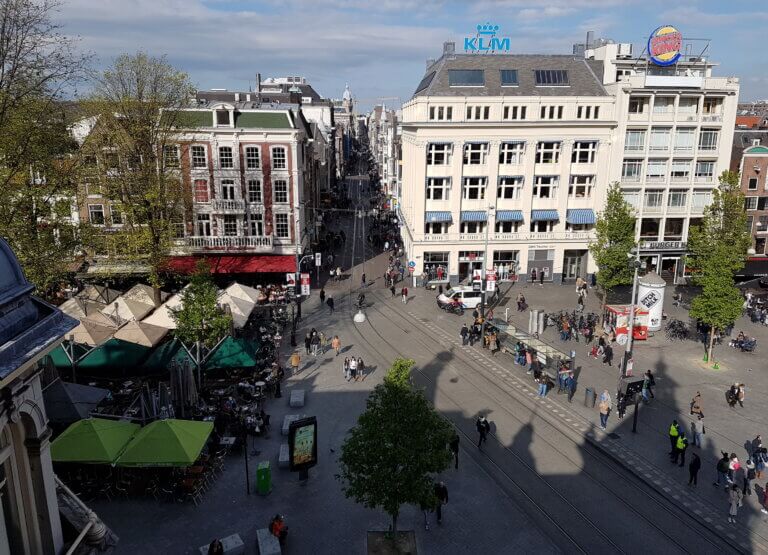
{"x": 590, "y": 397}
{"x": 263, "y": 478}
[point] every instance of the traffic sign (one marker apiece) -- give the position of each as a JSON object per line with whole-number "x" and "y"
{"x": 318, "y": 259}
{"x": 411, "y": 269}
{"x": 411, "y": 264}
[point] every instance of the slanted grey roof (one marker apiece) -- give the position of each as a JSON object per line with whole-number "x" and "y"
{"x": 582, "y": 79}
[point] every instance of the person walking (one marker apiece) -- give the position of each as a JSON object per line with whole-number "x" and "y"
{"x": 645, "y": 392}
{"x": 570, "y": 385}
{"x": 307, "y": 343}
{"x": 722, "y": 471}
{"x": 346, "y": 369}
{"x": 693, "y": 470}
{"x": 674, "y": 433}
{"x": 735, "y": 498}
{"x": 605, "y": 408}
{"x": 542, "y": 381}
{"x": 360, "y": 369}
{"x": 441, "y": 493}
{"x": 464, "y": 334}
{"x": 651, "y": 382}
{"x": 404, "y": 295}
{"x": 315, "y": 341}
{"x": 608, "y": 354}
{"x": 698, "y": 431}
{"x": 295, "y": 360}
{"x": 323, "y": 343}
{"x": 322, "y": 296}
{"x": 392, "y": 289}
{"x": 741, "y": 394}
{"x": 696, "y": 406}
{"x": 680, "y": 446}
{"x": 353, "y": 368}
{"x": 363, "y": 282}
{"x": 761, "y": 457}
{"x": 329, "y": 302}
{"x": 749, "y": 476}
{"x": 454, "y": 447}
{"x": 336, "y": 344}
{"x": 483, "y": 427}
{"x": 541, "y": 278}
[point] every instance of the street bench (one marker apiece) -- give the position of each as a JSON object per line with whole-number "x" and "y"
{"x": 233, "y": 545}
{"x": 287, "y": 422}
{"x": 297, "y": 398}
{"x": 283, "y": 460}
{"x": 266, "y": 543}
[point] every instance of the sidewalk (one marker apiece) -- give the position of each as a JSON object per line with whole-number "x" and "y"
{"x": 679, "y": 373}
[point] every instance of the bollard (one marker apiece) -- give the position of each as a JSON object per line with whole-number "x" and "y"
{"x": 590, "y": 397}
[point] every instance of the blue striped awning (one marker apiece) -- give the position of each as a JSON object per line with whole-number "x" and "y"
{"x": 473, "y": 216}
{"x": 509, "y": 216}
{"x": 544, "y": 215}
{"x": 437, "y": 217}
{"x": 580, "y": 216}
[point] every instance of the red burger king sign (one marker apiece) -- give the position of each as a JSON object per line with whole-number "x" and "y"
{"x": 665, "y": 45}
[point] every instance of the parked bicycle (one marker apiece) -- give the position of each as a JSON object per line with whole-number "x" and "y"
{"x": 677, "y": 330}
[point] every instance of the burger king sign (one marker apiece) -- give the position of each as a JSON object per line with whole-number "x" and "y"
{"x": 664, "y": 45}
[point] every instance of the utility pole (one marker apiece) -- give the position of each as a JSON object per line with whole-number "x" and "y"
{"x": 483, "y": 283}
{"x": 631, "y": 322}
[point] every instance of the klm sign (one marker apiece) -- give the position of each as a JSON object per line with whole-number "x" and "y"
{"x": 486, "y": 40}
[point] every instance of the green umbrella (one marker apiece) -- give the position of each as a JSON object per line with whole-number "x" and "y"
{"x": 167, "y": 443}
{"x": 93, "y": 440}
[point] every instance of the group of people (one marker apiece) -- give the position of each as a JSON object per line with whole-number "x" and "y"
{"x": 395, "y": 272}
{"x": 353, "y": 368}
{"x": 602, "y": 350}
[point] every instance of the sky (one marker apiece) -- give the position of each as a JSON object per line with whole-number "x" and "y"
{"x": 380, "y": 47}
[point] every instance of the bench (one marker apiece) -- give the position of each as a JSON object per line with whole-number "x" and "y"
{"x": 287, "y": 422}
{"x": 266, "y": 543}
{"x": 297, "y": 398}
{"x": 283, "y": 460}
{"x": 233, "y": 545}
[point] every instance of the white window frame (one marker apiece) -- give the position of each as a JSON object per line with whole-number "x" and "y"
{"x": 92, "y": 209}
{"x": 437, "y": 152}
{"x": 709, "y": 146}
{"x": 279, "y": 223}
{"x": 750, "y": 181}
{"x": 660, "y": 138}
{"x": 630, "y": 142}
{"x": 700, "y": 199}
{"x": 661, "y": 175}
{"x": 472, "y": 227}
{"x": 256, "y": 224}
{"x": 511, "y": 152}
{"x": 680, "y": 170}
{"x": 438, "y": 188}
{"x": 640, "y": 102}
{"x": 477, "y": 184}
{"x": 441, "y": 113}
{"x": 586, "y": 148}
{"x": 551, "y": 112}
{"x": 282, "y": 191}
{"x": 226, "y": 157}
{"x": 436, "y": 228}
{"x": 686, "y": 145}
{"x": 198, "y": 157}
{"x": 515, "y": 112}
{"x": 228, "y": 189}
{"x": 171, "y": 156}
{"x": 252, "y": 162}
{"x": 478, "y": 113}
{"x": 668, "y": 107}
{"x": 203, "y": 226}
{"x": 677, "y": 198}
{"x": 545, "y": 186}
{"x": 475, "y": 154}
{"x": 548, "y": 149}
{"x": 226, "y": 222}
{"x": 705, "y": 176}
{"x": 510, "y": 187}
{"x": 114, "y": 210}
{"x": 637, "y": 165}
{"x": 254, "y": 191}
{"x": 653, "y": 198}
{"x": 749, "y": 204}
{"x": 283, "y": 160}
{"x": 507, "y": 227}
{"x": 581, "y": 186}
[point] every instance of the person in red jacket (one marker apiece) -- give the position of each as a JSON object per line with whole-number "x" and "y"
{"x": 404, "y": 294}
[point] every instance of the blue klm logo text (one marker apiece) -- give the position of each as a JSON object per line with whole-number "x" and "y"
{"x": 486, "y": 40}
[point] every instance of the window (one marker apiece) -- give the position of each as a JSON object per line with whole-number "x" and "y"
{"x": 681, "y": 170}
{"x": 545, "y": 186}
{"x": 201, "y": 191}
{"x": 472, "y": 227}
{"x": 551, "y": 112}
{"x": 439, "y": 154}
{"x": 678, "y": 198}
{"x": 436, "y": 228}
{"x": 708, "y": 139}
{"x": 673, "y": 229}
{"x": 548, "y": 152}
{"x": 551, "y": 77}
{"x": 507, "y": 227}
{"x": 478, "y": 112}
{"x": 750, "y": 203}
{"x": 222, "y": 117}
{"x": 230, "y": 226}
{"x": 440, "y": 258}
{"x": 762, "y": 223}
{"x": 475, "y": 153}
{"x": 112, "y": 161}
{"x": 281, "y": 226}
{"x": 225, "y": 157}
{"x": 198, "y": 157}
{"x": 649, "y": 228}
{"x": 441, "y": 113}
{"x": 688, "y": 106}
{"x": 424, "y": 83}
{"x": 632, "y": 197}
{"x": 252, "y": 158}
{"x": 96, "y": 214}
{"x": 660, "y": 138}
{"x": 509, "y": 187}
{"x": 474, "y": 188}
{"x": 587, "y": 112}
{"x": 115, "y": 214}
{"x": 254, "y": 191}
{"x": 581, "y": 186}
{"x": 712, "y": 105}
{"x": 684, "y": 137}
{"x": 635, "y": 139}
{"x": 750, "y": 220}
{"x": 656, "y": 170}
{"x": 92, "y": 187}
{"x": 511, "y": 153}
{"x": 466, "y": 77}
{"x": 752, "y": 184}
{"x": 228, "y": 189}
{"x": 203, "y": 225}
{"x": 514, "y": 112}
{"x": 256, "y": 225}
{"x": 637, "y": 105}
{"x": 632, "y": 170}
{"x": 278, "y": 158}
{"x": 438, "y": 187}
{"x": 508, "y": 77}
{"x": 701, "y": 199}
{"x": 705, "y": 171}
{"x": 654, "y": 198}
{"x": 171, "y": 156}
{"x": 280, "y": 188}
{"x": 664, "y": 105}
{"x": 541, "y": 227}
{"x": 583, "y": 152}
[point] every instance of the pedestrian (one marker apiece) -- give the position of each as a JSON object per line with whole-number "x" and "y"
{"x": 295, "y": 361}
{"x": 674, "y": 433}
{"x": 761, "y": 458}
{"x": 441, "y": 493}
{"x": 360, "y": 369}
{"x": 533, "y": 276}
{"x": 645, "y": 392}
{"x": 741, "y": 394}
{"x": 756, "y": 445}
{"x": 401, "y": 269}
{"x": 621, "y": 405}
{"x": 362, "y": 281}
{"x": 693, "y": 470}
{"x": 541, "y": 278}
{"x": 404, "y": 295}
{"x": 735, "y": 498}
{"x": 733, "y": 466}
{"x": 696, "y": 406}
{"x": 608, "y": 355}
{"x": 483, "y": 427}
{"x": 353, "y": 368}
{"x": 392, "y": 289}
{"x": 329, "y": 302}
{"x": 680, "y": 446}
{"x": 651, "y": 380}
{"x": 336, "y": 344}
{"x": 570, "y": 385}
{"x": 323, "y": 343}
{"x": 697, "y": 427}
{"x": 346, "y": 369}
{"x": 605, "y": 408}
{"x": 322, "y": 296}
{"x": 454, "y": 447}
{"x": 464, "y": 334}
{"x": 542, "y": 381}
{"x": 315, "y": 343}
{"x": 307, "y": 342}
{"x": 732, "y": 395}
{"x": 749, "y": 475}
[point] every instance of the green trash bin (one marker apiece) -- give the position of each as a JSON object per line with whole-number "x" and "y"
{"x": 263, "y": 478}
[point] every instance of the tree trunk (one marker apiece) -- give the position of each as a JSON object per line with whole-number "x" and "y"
{"x": 711, "y": 345}
{"x": 394, "y": 527}
{"x": 603, "y": 302}
{"x": 156, "y": 297}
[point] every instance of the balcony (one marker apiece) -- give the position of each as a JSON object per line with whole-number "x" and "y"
{"x": 226, "y": 244}
{"x": 634, "y": 148}
{"x": 642, "y": 116}
{"x": 712, "y": 118}
{"x": 676, "y": 209}
{"x": 222, "y": 206}
{"x": 688, "y": 116}
{"x": 653, "y": 210}
{"x": 655, "y": 178}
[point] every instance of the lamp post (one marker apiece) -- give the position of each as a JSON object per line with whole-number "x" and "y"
{"x": 631, "y": 323}
{"x": 485, "y": 275}
{"x": 359, "y": 316}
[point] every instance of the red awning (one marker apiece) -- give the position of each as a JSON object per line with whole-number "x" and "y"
{"x": 241, "y": 264}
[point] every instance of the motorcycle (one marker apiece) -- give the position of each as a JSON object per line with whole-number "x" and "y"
{"x": 455, "y": 309}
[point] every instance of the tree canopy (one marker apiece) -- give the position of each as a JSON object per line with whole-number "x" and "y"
{"x": 200, "y": 317}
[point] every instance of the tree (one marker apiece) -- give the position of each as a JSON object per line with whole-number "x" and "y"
{"x": 40, "y": 67}
{"x": 200, "y": 318}
{"x": 399, "y": 442}
{"x": 717, "y": 250}
{"x": 135, "y": 105}
{"x": 615, "y": 238}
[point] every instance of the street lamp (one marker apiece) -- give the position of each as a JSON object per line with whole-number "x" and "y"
{"x": 485, "y": 274}
{"x": 634, "y": 252}
{"x": 359, "y": 316}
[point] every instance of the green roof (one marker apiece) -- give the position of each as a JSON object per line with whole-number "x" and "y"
{"x": 233, "y": 353}
{"x": 263, "y": 120}
{"x": 114, "y": 358}
{"x": 192, "y": 118}
{"x": 160, "y": 360}
{"x": 756, "y": 150}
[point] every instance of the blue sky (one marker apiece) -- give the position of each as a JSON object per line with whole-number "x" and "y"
{"x": 380, "y": 46}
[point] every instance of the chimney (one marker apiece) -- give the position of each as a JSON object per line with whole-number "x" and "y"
{"x": 449, "y": 48}
{"x": 590, "y": 39}
{"x": 430, "y": 63}
{"x": 258, "y": 82}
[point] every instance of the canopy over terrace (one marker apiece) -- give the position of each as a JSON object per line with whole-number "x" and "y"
{"x": 115, "y": 358}
{"x": 239, "y": 308}
{"x": 236, "y": 264}
{"x": 93, "y": 440}
{"x": 163, "y": 314}
{"x": 167, "y": 443}
{"x": 141, "y": 333}
{"x": 164, "y": 356}
{"x": 232, "y": 354}
{"x": 66, "y": 402}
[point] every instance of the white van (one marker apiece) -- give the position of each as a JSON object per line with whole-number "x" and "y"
{"x": 462, "y": 293}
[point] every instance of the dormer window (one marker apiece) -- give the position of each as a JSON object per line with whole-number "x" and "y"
{"x": 223, "y": 117}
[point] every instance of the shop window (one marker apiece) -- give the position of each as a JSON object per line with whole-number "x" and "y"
{"x": 673, "y": 229}
{"x": 649, "y": 228}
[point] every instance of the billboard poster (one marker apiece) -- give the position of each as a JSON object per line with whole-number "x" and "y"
{"x": 304, "y": 285}
{"x": 302, "y": 443}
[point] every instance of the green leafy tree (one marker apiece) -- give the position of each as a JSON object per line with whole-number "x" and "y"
{"x": 717, "y": 250}
{"x": 614, "y": 238}
{"x": 200, "y": 318}
{"x": 399, "y": 442}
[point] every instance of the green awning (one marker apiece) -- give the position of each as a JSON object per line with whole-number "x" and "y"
{"x": 93, "y": 440}
{"x": 60, "y": 359}
{"x": 167, "y": 443}
{"x": 115, "y": 358}
{"x": 233, "y": 353}
{"x": 164, "y": 355}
